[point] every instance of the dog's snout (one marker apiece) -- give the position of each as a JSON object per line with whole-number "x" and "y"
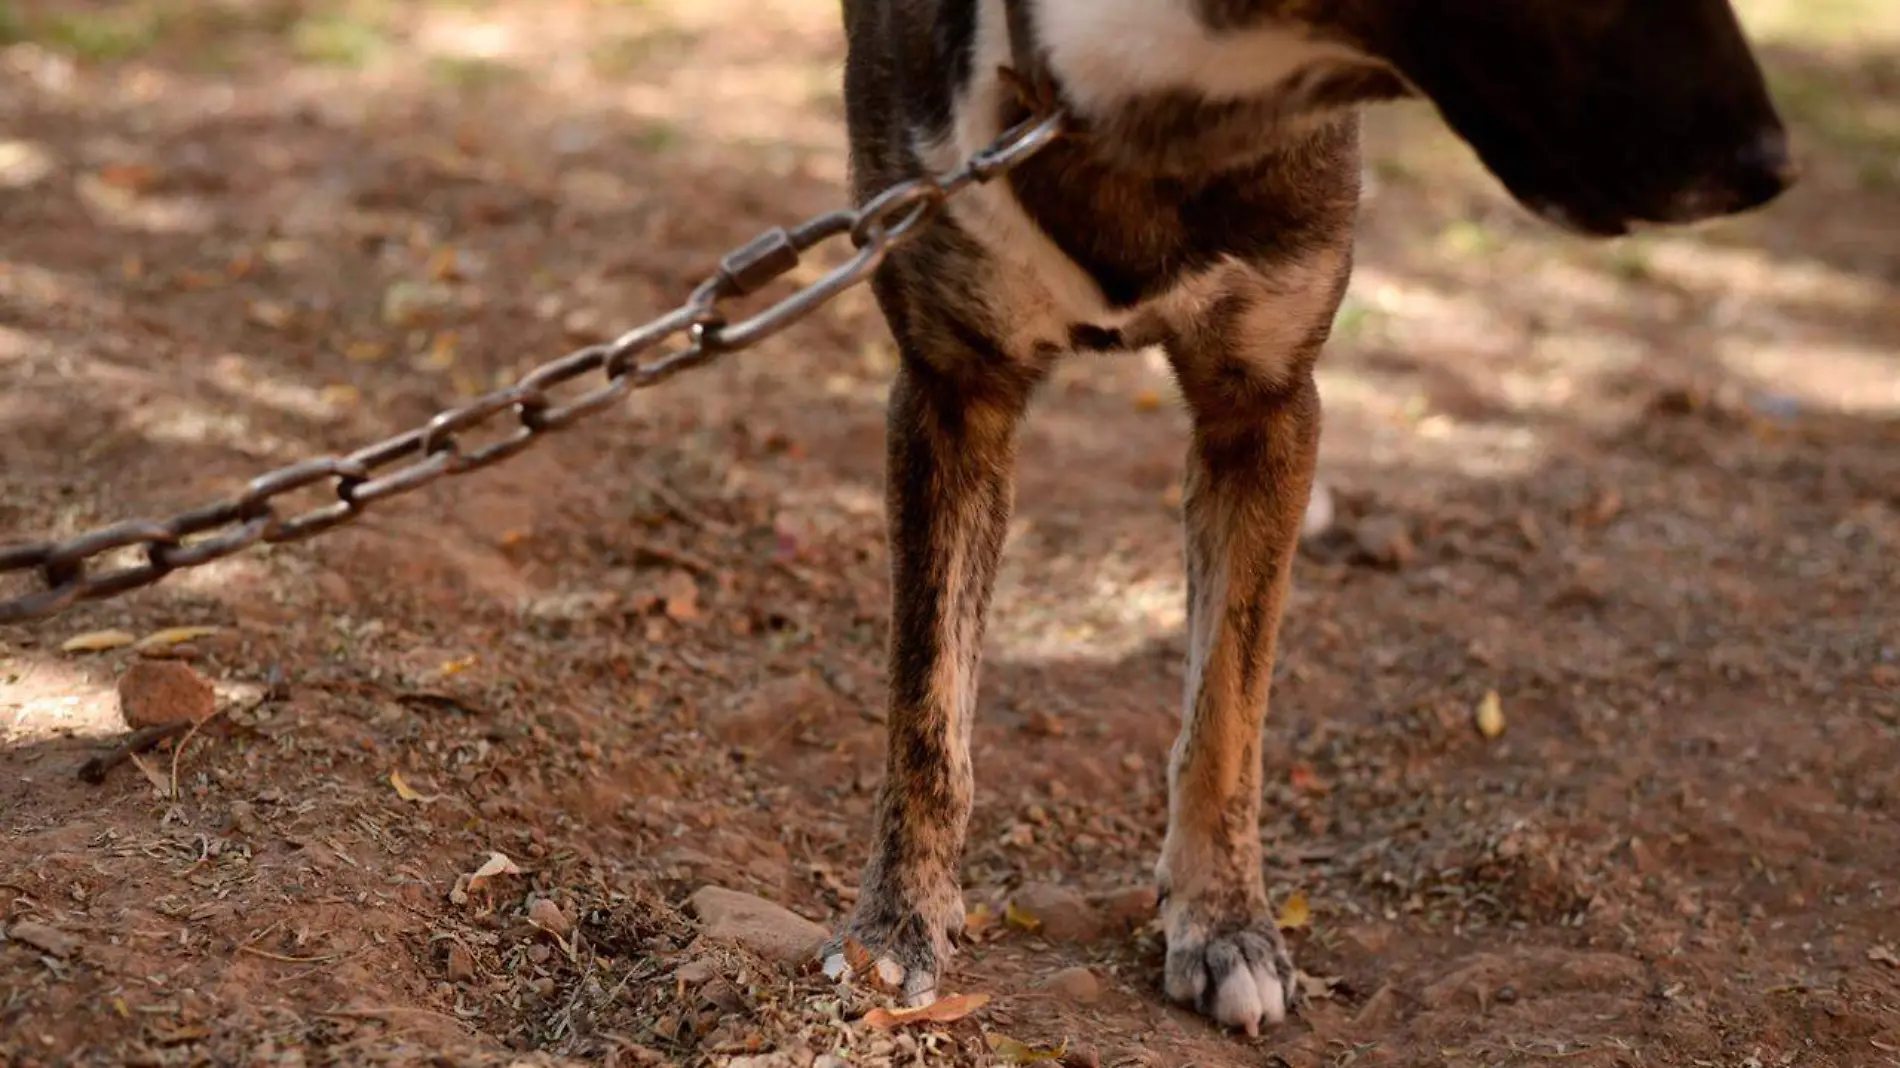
{"x": 1764, "y": 168}
{"x": 1761, "y": 170}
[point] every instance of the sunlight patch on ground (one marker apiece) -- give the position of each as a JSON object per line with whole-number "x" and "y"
{"x": 1832, "y": 375}
{"x": 1860, "y": 23}
{"x": 42, "y": 699}
{"x": 1067, "y": 610}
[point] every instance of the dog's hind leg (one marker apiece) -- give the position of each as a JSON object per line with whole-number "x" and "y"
{"x": 1245, "y": 368}
{"x": 951, "y": 450}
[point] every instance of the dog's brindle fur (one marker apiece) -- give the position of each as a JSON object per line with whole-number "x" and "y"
{"x": 1205, "y": 205}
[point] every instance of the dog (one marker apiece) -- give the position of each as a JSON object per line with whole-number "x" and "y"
{"x": 1203, "y": 201}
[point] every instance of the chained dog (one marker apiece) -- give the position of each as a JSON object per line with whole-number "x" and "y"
{"x": 1203, "y": 201}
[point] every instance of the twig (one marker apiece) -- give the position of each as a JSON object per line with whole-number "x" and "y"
{"x": 649, "y": 553}
{"x": 94, "y": 771}
{"x": 1551, "y": 1056}
{"x": 378, "y": 1014}
{"x": 681, "y": 510}
{"x": 268, "y": 955}
{"x": 179, "y": 749}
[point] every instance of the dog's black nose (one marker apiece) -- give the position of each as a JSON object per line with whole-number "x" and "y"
{"x": 1759, "y": 172}
{"x": 1762, "y": 171}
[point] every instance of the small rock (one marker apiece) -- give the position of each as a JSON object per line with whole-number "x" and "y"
{"x": 769, "y": 930}
{"x": 548, "y": 916}
{"x": 1076, "y": 984}
{"x": 158, "y": 693}
{"x": 695, "y": 971}
{"x": 1066, "y": 915}
{"x": 243, "y": 818}
{"x": 461, "y": 963}
{"x": 1385, "y": 541}
{"x": 1129, "y": 907}
{"x": 43, "y": 938}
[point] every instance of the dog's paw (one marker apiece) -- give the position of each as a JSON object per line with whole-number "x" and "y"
{"x": 902, "y": 957}
{"x": 1233, "y": 970}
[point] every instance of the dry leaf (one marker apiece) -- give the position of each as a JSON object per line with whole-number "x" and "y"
{"x": 1317, "y": 987}
{"x": 978, "y": 921}
{"x": 403, "y": 789}
{"x": 1295, "y": 913}
{"x": 1014, "y": 1052}
{"x": 1021, "y": 918}
{"x": 943, "y": 1010}
{"x": 175, "y": 636}
{"x": 681, "y": 594}
{"x": 1491, "y": 715}
{"x": 1883, "y": 955}
{"x": 152, "y": 775}
{"x": 97, "y": 641}
{"x": 495, "y": 865}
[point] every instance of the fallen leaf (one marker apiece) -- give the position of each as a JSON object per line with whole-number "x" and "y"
{"x": 407, "y": 792}
{"x": 978, "y": 920}
{"x": 1295, "y": 913}
{"x": 682, "y": 597}
{"x": 134, "y": 177}
{"x": 97, "y": 641}
{"x": 1884, "y": 955}
{"x": 943, "y": 1010}
{"x": 441, "y": 353}
{"x": 1021, "y": 919}
{"x": 269, "y": 313}
{"x": 1490, "y": 715}
{"x": 495, "y": 865}
{"x": 175, "y": 636}
{"x": 44, "y": 938}
{"x": 1014, "y": 1052}
{"x": 1317, "y": 987}
{"x": 152, "y": 775}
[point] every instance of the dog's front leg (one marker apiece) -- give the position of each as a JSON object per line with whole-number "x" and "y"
{"x": 951, "y": 445}
{"x": 1246, "y": 374}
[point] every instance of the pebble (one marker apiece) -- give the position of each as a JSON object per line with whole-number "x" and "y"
{"x": 1130, "y": 907}
{"x": 772, "y": 931}
{"x": 461, "y": 963}
{"x": 695, "y": 971}
{"x": 1065, "y": 914}
{"x": 1077, "y": 984}
{"x": 1385, "y": 541}
{"x": 159, "y": 693}
{"x": 548, "y": 916}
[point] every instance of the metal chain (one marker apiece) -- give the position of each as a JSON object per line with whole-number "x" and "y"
{"x": 417, "y": 457}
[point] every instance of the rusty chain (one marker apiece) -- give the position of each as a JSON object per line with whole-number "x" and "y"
{"x": 417, "y": 457}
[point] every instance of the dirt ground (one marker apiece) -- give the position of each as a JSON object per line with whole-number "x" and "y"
{"x": 1646, "y": 493}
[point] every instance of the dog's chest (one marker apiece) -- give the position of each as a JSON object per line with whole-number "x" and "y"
{"x": 1076, "y": 250}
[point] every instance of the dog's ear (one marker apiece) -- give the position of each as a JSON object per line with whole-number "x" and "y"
{"x": 1595, "y": 113}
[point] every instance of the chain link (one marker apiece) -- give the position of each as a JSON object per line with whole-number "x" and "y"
{"x": 418, "y": 457}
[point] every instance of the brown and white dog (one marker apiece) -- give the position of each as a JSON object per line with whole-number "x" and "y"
{"x": 1206, "y": 204}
